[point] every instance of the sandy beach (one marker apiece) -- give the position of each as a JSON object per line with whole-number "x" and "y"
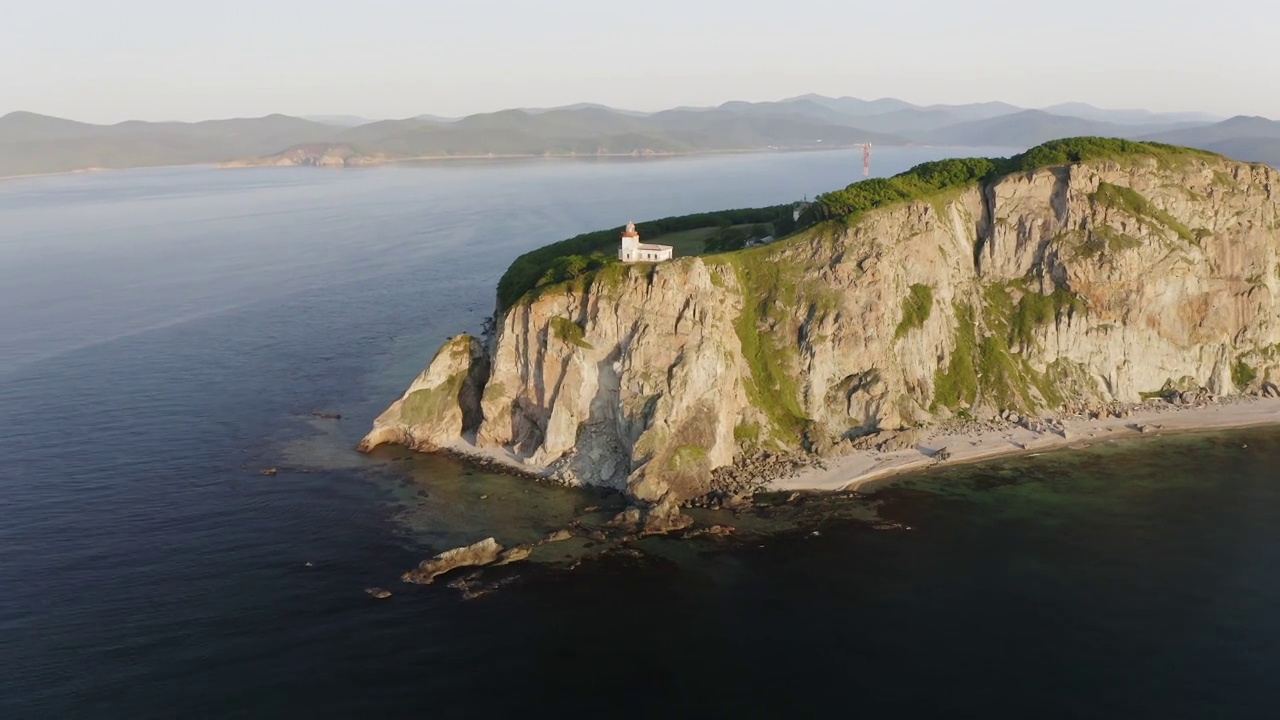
{"x": 859, "y": 468}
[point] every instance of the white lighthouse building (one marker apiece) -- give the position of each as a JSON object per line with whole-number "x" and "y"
{"x": 633, "y": 250}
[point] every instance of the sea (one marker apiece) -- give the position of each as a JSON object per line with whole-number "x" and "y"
{"x": 166, "y": 336}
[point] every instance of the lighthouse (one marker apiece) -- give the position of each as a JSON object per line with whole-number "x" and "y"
{"x": 633, "y": 251}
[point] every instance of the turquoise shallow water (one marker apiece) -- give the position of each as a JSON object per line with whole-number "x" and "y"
{"x": 169, "y": 333}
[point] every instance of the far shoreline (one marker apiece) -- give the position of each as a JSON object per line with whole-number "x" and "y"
{"x": 242, "y": 164}
{"x": 246, "y": 164}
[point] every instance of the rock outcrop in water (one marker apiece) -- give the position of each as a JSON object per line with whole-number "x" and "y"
{"x": 485, "y": 552}
{"x": 1075, "y": 285}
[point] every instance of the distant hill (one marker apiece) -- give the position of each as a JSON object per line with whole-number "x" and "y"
{"x": 28, "y": 126}
{"x": 912, "y": 122}
{"x": 1234, "y": 128}
{"x": 1129, "y": 117}
{"x": 580, "y": 106}
{"x": 587, "y": 131}
{"x": 798, "y": 108}
{"x": 338, "y": 120}
{"x": 854, "y": 106}
{"x": 1032, "y": 127}
{"x": 32, "y": 143}
{"x": 1253, "y": 139}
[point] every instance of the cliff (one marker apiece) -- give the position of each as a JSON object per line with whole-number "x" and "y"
{"x": 1074, "y": 285}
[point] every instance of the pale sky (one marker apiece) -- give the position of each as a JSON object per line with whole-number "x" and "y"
{"x": 112, "y": 60}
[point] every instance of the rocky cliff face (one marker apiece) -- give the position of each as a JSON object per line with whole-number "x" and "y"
{"x": 1075, "y": 285}
{"x": 440, "y": 405}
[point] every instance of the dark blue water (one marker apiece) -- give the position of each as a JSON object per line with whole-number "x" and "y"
{"x": 167, "y": 334}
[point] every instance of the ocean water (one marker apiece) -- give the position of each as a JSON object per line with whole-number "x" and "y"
{"x": 167, "y": 334}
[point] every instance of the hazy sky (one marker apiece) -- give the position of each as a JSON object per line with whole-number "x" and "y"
{"x": 110, "y": 60}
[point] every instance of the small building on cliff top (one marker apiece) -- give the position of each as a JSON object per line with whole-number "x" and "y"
{"x": 633, "y": 250}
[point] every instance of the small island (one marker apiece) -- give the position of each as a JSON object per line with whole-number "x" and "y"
{"x": 1083, "y": 290}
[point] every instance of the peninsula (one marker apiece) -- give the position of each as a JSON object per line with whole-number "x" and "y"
{"x": 1022, "y": 299}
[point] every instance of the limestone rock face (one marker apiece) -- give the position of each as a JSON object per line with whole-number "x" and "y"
{"x": 635, "y": 383}
{"x": 440, "y": 405}
{"x": 1075, "y": 285}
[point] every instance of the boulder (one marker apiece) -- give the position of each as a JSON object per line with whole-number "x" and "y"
{"x": 557, "y": 536}
{"x": 665, "y": 516}
{"x": 628, "y": 519}
{"x": 515, "y": 554}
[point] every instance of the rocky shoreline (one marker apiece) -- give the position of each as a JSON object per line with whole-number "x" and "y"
{"x": 732, "y": 486}
{"x": 963, "y": 440}
{"x": 763, "y": 483}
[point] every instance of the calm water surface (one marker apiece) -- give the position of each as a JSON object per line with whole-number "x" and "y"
{"x": 167, "y": 334}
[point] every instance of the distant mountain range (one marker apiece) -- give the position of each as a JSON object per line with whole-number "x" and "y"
{"x": 1244, "y": 138}
{"x": 32, "y": 144}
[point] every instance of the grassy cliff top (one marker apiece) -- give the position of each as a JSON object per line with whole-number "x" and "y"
{"x": 579, "y": 256}
{"x": 929, "y": 178}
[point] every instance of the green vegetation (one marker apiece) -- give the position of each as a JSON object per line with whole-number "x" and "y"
{"x": 1002, "y": 375}
{"x": 686, "y": 243}
{"x": 734, "y": 238}
{"x": 1084, "y": 149}
{"x": 1060, "y": 377}
{"x": 985, "y": 366}
{"x": 1242, "y": 374}
{"x": 1035, "y": 310}
{"x": 1018, "y": 322}
{"x": 776, "y": 291}
{"x": 916, "y": 308}
{"x": 431, "y": 404}
{"x": 568, "y": 331}
{"x": 772, "y": 387}
{"x": 572, "y": 267}
{"x": 1130, "y": 201}
{"x": 957, "y": 385}
{"x": 1105, "y": 239}
{"x": 917, "y": 183}
{"x": 579, "y": 256}
{"x": 923, "y": 181}
{"x": 687, "y": 457}
{"x": 746, "y": 433}
{"x": 999, "y": 376}
{"x": 727, "y": 240}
